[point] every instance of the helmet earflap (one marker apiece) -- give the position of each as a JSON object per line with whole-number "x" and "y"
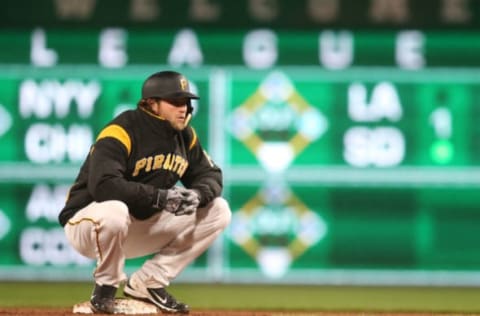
{"x": 189, "y": 106}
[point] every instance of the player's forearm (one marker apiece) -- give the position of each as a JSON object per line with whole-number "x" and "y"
{"x": 209, "y": 187}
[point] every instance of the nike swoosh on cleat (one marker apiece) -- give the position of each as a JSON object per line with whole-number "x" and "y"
{"x": 162, "y": 300}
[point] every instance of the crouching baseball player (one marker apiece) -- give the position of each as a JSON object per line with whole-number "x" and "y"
{"x": 126, "y": 201}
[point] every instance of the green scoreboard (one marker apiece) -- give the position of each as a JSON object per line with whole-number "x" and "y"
{"x": 348, "y": 156}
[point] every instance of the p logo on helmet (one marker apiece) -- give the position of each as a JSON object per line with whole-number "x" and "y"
{"x": 184, "y": 84}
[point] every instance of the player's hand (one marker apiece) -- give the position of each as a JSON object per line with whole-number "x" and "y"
{"x": 190, "y": 201}
{"x": 169, "y": 200}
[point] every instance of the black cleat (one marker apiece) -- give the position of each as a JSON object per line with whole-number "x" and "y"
{"x": 158, "y": 296}
{"x": 103, "y": 299}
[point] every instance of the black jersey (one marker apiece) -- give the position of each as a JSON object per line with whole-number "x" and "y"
{"x": 136, "y": 154}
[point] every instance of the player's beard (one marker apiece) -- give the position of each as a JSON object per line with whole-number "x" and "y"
{"x": 178, "y": 125}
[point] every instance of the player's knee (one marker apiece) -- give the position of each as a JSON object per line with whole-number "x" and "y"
{"x": 117, "y": 217}
{"x": 224, "y": 214}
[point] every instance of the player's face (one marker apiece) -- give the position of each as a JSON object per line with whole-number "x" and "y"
{"x": 174, "y": 111}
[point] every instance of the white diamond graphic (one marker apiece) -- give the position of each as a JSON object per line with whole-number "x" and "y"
{"x": 5, "y": 120}
{"x": 274, "y": 262}
{"x": 275, "y": 156}
{"x": 4, "y": 224}
{"x": 312, "y": 124}
{"x": 277, "y": 87}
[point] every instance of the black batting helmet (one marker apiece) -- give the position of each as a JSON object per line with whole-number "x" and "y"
{"x": 167, "y": 85}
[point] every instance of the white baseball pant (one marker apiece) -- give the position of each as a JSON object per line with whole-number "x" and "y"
{"x": 108, "y": 233}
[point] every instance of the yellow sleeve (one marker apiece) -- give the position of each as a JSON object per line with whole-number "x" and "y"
{"x": 119, "y": 133}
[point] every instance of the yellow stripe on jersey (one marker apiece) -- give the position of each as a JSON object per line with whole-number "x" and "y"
{"x": 194, "y": 139}
{"x": 117, "y": 132}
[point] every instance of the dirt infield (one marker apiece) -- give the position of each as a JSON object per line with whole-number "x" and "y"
{"x": 16, "y": 311}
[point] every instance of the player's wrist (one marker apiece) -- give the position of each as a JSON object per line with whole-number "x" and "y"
{"x": 159, "y": 199}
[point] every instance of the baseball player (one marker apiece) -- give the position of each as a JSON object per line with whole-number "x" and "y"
{"x": 127, "y": 200}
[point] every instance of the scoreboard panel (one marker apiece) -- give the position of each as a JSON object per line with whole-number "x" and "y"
{"x": 262, "y": 48}
{"x": 348, "y": 156}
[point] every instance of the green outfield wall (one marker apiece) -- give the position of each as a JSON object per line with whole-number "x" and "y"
{"x": 350, "y": 152}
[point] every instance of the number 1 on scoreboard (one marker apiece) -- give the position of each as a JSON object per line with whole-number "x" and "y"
{"x": 441, "y": 150}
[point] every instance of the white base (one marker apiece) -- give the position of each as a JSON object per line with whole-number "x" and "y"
{"x": 122, "y": 306}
